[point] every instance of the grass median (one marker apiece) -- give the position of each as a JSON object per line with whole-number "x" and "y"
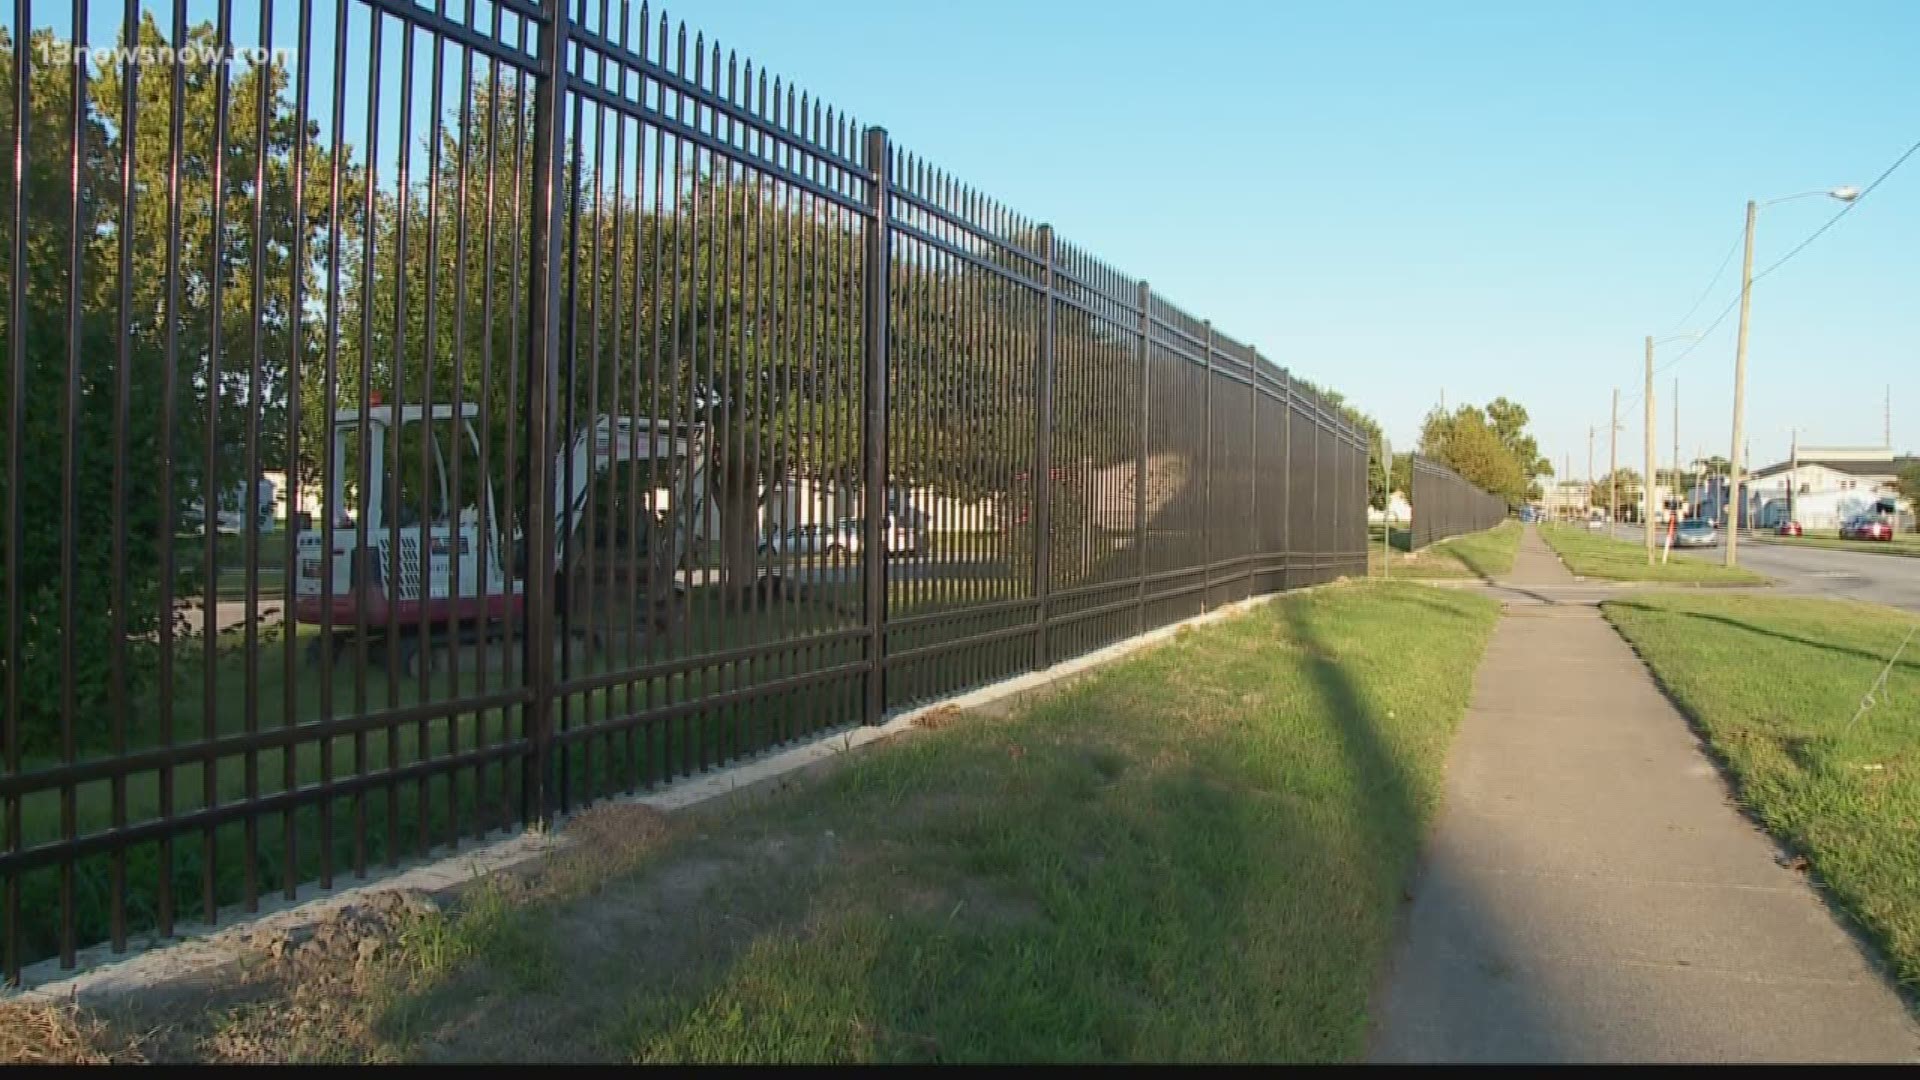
{"x": 1194, "y": 853}
{"x": 1775, "y": 683}
{"x": 1592, "y": 555}
{"x": 1487, "y": 554}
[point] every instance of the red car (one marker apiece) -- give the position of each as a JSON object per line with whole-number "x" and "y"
{"x": 1789, "y": 528}
{"x": 1866, "y": 529}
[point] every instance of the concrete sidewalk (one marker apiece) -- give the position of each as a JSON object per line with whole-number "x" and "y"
{"x": 1591, "y": 893}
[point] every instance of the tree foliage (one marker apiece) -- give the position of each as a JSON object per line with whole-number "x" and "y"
{"x": 1489, "y": 447}
{"x": 119, "y": 345}
{"x": 1380, "y": 480}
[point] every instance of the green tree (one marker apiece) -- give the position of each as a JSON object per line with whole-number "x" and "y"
{"x": 1713, "y": 466}
{"x": 1624, "y": 484}
{"x": 1402, "y": 480}
{"x": 1378, "y": 479}
{"x": 106, "y": 351}
{"x": 1488, "y": 447}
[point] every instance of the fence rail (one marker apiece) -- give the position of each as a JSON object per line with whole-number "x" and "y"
{"x": 1446, "y": 504}
{"x": 628, "y": 411}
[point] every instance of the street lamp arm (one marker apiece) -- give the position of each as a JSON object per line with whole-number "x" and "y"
{"x": 1845, "y": 193}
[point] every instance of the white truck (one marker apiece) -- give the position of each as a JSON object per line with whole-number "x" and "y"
{"x": 388, "y": 570}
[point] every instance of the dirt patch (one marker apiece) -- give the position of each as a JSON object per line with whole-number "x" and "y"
{"x": 608, "y": 839}
{"x": 39, "y": 1033}
{"x": 935, "y": 719}
{"x": 630, "y": 907}
{"x": 323, "y": 992}
{"x": 345, "y": 942}
{"x": 304, "y": 993}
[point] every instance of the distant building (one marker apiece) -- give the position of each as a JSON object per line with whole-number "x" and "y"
{"x": 1567, "y": 500}
{"x": 1821, "y": 487}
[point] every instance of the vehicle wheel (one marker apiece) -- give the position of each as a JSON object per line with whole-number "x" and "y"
{"x": 318, "y": 645}
{"x": 411, "y": 655}
{"x": 837, "y": 549}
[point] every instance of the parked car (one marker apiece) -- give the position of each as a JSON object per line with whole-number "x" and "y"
{"x": 905, "y": 536}
{"x": 827, "y": 538}
{"x": 1790, "y": 528}
{"x": 1866, "y": 528}
{"x": 1597, "y": 523}
{"x": 1696, "y": 532}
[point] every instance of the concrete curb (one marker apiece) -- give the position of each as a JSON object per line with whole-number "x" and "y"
{"x": 199, "y": 949}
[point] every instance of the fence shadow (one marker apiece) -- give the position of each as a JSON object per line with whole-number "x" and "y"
{"x": 1042, "y": 887}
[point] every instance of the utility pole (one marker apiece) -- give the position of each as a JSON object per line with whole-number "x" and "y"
{"x": 1740, "y": 395}
{"x": 1647, "y": 525}
{"x": 1568, "y": 463}
{"x": 1678, "y": 498}
{"x": 1793, "y": 477}
{"x": 1889, "y": 419}
{"x": 1590, "y": 483}
{"x": 1613, "y": 458}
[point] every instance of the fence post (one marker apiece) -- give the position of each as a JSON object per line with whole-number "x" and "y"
{"x": 1413, "y": 502}
{"x": 1043, "y": 456}
{"x": 1145, "y": 299}
{"x": 1286, "y": 480}
{"x": 543, "y": 345}
{"x": 877, "y": 282}
{"x": 1254, "y": 545}
{"x": 1206, "y": 474}
{"x": 1318, "y": 529}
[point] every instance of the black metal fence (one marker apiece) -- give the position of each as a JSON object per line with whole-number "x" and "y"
{"x": 628, "y": 411}
{"x": 1446, "y": 504}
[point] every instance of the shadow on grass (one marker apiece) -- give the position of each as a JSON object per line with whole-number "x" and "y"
{"x": 1751, "y": 628}
{"x": 1473, "y": 560}
{"x": 1339, "y": 698}
{"x": 1202, "y": 873}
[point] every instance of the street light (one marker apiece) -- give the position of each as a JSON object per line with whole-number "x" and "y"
{"x": 1846, "y": 194}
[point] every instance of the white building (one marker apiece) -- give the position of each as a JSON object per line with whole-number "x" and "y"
{"x": 1821, "y": 487}
{"x": 1398, "y": 511}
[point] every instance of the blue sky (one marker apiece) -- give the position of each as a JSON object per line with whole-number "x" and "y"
{"x": 1484, "y": 198}
{"x": 1401, "y": 200}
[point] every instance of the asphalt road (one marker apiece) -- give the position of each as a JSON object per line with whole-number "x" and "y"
{"x": 1881, "y": 579}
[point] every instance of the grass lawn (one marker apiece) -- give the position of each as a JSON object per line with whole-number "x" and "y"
{"x": 1597, "y": 556}
{"x": 1902, "y": 544}
{"x": 1487, "y": 554}
{"x": 1844, "y": 794}
{"x": 1195, "y": 853}
{"x": 410, "y": 817}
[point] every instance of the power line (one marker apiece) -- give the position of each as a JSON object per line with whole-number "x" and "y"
{"x": 1698, "y": 300}
{"x": 1702, "y": 339}
{"x": 1844, "y": 211}
{"x": 1777, "y": 263}
{"x": 1725, "y": 260}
